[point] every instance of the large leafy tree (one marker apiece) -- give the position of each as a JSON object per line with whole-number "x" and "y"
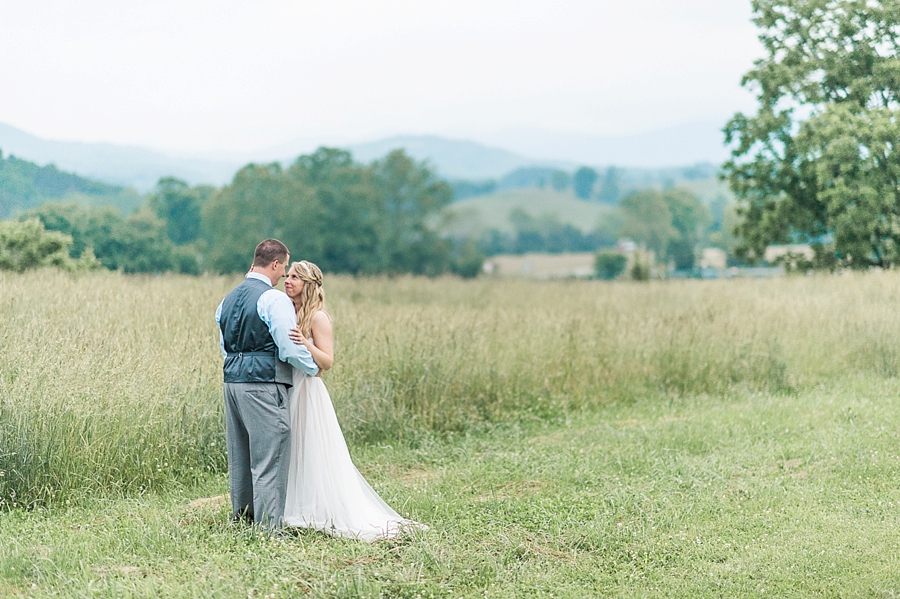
{"x": 342, "y": 226}
{"x": 819, "y": 161}
{"x": 648, "y": 220}
{"x": 412, "y": 196}
{"x": 690, "y": 219}
{"x": 346, "y": 217}
{"x": 179, "y": 205}
{"x": 670, "y": 222}
{"x": 260, "y": 202}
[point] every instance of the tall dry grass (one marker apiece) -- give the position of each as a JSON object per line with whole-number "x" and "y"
{"x": 112, "y": 384}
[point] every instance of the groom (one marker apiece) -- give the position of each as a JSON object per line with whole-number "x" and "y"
{"x": 254, "y": 321}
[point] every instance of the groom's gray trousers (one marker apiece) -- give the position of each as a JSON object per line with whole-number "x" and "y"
{"x": 258, "y": 436}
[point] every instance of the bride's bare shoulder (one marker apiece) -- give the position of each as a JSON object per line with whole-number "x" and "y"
{"x": 321, "y": 319}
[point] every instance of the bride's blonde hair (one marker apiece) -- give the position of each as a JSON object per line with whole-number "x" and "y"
{"x": 312, "y": 298}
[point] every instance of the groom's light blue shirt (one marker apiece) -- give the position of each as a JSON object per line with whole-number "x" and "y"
{"x": 276, "y": 310}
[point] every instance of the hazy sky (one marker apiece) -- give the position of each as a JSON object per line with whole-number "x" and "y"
{"x": 201, "y": 75}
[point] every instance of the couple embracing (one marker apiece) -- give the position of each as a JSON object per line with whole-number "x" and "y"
{"x": 288, "y": 462}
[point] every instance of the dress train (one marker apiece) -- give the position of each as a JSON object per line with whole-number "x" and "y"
{"x": 325, "y": 490}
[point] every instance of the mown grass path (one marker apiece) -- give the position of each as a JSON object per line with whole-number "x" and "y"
{"x": 745, "y": 495}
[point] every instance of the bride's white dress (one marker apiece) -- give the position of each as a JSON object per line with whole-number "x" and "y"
{"x": 325, "y": 490}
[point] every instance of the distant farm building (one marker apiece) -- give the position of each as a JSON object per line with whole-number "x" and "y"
{"x": 713, "y": 258}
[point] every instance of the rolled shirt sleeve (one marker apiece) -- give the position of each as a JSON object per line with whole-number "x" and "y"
{"x": 276, "y": 310}
{"x": 221, "y": 337}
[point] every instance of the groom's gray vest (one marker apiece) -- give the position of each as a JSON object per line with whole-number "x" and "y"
{"x": 252, "y": 356}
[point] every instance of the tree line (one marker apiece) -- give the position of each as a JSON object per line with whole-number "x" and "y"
{"x": 384, "y": 217}
{"x": 605, "y": 186}
{"x": 347, "y": 217}
{"x": 586, "y": 183}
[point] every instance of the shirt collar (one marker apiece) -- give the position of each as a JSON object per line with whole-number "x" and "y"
{"x": 259, "y": 277}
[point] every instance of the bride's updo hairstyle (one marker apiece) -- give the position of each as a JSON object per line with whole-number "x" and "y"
{"x": 312, "y": 298}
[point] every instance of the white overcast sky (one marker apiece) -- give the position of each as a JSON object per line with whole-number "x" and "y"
{"x": 203, "y": 75}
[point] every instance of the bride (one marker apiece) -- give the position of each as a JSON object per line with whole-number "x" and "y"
{"x": 325, "y": 490}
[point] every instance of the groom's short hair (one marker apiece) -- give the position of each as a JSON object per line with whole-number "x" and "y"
{"x": 268, "y": 251}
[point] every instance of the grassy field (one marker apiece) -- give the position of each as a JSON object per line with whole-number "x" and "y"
{"x": 747, "y": 495}
{"x": 685, "y": 438}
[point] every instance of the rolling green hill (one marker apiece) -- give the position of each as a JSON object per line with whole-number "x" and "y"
{"x": 709, "y": 190}
{"x": 474, "y": 215}
{"x": 25, "y": 185}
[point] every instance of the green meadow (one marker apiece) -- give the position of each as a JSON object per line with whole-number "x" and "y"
{"x": 731, "y": 438}
{"x": 472, "y": 216}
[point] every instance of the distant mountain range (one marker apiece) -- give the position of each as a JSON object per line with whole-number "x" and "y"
{"x": 118, "y": 165}
{"x": 141, "y": 168}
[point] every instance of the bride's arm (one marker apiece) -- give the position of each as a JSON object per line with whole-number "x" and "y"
{"x": 323, "y": 350}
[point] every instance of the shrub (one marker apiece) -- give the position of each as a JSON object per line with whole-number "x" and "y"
{"x": 609, "y": 265}
{"x": 27, "y": 245}
{"x": 640, "y": 270}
